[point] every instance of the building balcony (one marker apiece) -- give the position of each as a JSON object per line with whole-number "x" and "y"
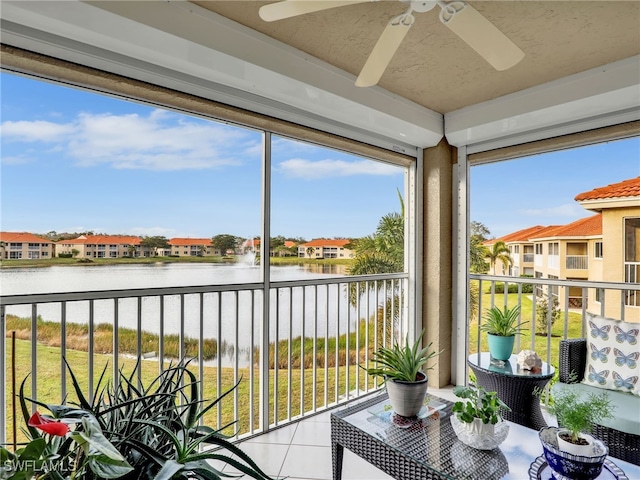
{"x": 577, "y": 262}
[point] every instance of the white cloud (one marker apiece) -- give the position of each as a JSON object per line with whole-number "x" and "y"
{"x": 160, "y": 140}
{"x": 17, "y": 160}
{"x": 35, "y": 131}
{"x": 565, "y": 210}
{"x": 314, "y": 169}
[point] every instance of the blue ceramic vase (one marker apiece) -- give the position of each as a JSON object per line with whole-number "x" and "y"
{"x": 501, "y": 348}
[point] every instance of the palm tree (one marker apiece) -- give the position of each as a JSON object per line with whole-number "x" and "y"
{"x": 310, "y": 251}
{"x": 498, "y": 251}
{"x": 382, "y": 252}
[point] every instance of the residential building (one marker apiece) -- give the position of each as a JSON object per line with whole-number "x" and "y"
{"x": 103, "y": 246}
{"x": 190, "y": 247}
{"x": 23, "y": 246}
{"x": 619, "y": 247}
{"x": 324, "y": 248}
{"x": 521, "y": 251}
{"x": 579, "y": 250}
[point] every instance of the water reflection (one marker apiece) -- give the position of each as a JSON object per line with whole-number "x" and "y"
{"x": 325, "y": 269}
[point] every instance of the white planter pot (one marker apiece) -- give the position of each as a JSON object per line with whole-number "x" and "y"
{"x": 407, "y": 398}
{"x": 481, "y": 429}
{"x": 572, "y": 448}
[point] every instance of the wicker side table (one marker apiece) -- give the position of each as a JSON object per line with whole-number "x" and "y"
{"x": 515, "y": 387}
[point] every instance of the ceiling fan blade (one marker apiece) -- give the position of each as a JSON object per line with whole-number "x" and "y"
{"x": 485, "y": 38}
{"x": 382, "y": 53}
{"x": 292, "y": 8}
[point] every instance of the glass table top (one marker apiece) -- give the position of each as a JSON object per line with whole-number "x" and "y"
{"x": 432, "y": 442}
{"x": 509, "y": 367}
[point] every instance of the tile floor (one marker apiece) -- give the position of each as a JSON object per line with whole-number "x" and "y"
{"x": 302, "y": 451}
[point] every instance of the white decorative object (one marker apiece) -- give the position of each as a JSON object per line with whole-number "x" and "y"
{"x": 469, "y": 435}
{"x": 529, "y": 360}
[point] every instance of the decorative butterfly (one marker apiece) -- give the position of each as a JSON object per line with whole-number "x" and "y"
{"x": 631, "y": 336}
{"x": 599, "y": 354}
{"x": 597, "y": 331}
{"x": 629, "y": 360}
{"x": 599, "y": 377}
{"x": 624, "y": 382}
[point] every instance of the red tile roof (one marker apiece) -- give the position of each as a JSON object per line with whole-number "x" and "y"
{"x": 581, "y": 228}
{"x": 519, "y": 236}
{"x": 626, "y": 188}
{"x": 103, "y": 240}
{"x": 190, "y": 241}
{"x": 323, "y": 242}
{"x": 22, "y": 237}
{"x": 546, "y": 232}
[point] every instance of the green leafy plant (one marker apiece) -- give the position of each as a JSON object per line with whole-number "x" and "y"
{"x": 156, "y": 432}
{"x": 402, "y": 362}
{"x": 578, "y": 412}
{"x": 479, "y": 404}
{"x": 544, "y": 323}
{"x": 502, "y": 322}
{"x": 57, "y": 451}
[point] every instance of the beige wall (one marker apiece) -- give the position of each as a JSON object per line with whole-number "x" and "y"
{"x": 613, "y": 245}
{"x": 437, "y": 257}
{"x": 22, "y": 250}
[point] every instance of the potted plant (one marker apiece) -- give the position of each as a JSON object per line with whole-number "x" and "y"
{"x": 502, "y": 326}
{"x": 576, "y": 414}
{"x": 128, "y": 431}
{"x": 403, "y": 370}
{"x": 477, "y": 421}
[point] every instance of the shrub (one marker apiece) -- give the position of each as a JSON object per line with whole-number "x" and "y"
{"x": 544, "y": 324}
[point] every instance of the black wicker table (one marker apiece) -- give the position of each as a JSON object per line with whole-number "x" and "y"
{"x": 427, "y": 448}
{"x": 515, "y": 387}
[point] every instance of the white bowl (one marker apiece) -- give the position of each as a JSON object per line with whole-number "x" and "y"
{"x": 481, "y": 442}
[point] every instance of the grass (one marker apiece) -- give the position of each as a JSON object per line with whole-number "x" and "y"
{"x": 331, "y": 376}
{"x": 236, "y": 406}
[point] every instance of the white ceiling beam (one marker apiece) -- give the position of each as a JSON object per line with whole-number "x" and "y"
{"x": 596, "y": 98}
{"x": 184, "y": 40}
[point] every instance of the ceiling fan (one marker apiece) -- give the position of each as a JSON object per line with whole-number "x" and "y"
{"x": 464, "y": 20}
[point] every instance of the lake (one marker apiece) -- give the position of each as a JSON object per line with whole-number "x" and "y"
{"x": 325, "y": 308}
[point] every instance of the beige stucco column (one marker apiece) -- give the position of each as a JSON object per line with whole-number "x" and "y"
{"x": 437, "y": 267}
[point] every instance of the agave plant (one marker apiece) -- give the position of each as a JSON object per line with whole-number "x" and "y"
{"x": 402, "y": 363}
{"x": 503, "y": 323}
{"x": 155, "y": 430}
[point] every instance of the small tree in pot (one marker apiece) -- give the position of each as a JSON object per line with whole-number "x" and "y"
{"x": 403, "y": 371}
{"x": 576, "y": 414}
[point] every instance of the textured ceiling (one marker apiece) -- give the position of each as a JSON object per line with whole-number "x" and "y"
{"x": 436, "y": 69}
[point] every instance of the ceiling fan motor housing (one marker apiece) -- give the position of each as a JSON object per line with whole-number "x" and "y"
{"x": 422, "y": 6}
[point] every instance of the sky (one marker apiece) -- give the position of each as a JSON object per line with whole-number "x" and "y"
{"x": 75, "y": 161}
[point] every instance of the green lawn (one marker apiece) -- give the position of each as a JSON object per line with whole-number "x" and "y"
{"x": 49, "y": 389}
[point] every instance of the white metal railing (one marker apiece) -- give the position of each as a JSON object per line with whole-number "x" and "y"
{"x": 553, "y": 261}
{"x": 527, "y": 257}
{"x": 577, "y": 262}
{"x": 532, "y": 295}
{"x": 319, "y": 331}
{"x": 631, "y": 270}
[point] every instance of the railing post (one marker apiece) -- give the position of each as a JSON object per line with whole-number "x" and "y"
{"x": 3, "y": 359}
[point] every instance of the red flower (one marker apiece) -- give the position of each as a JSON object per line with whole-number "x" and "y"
{"x": 47, "y": 425}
